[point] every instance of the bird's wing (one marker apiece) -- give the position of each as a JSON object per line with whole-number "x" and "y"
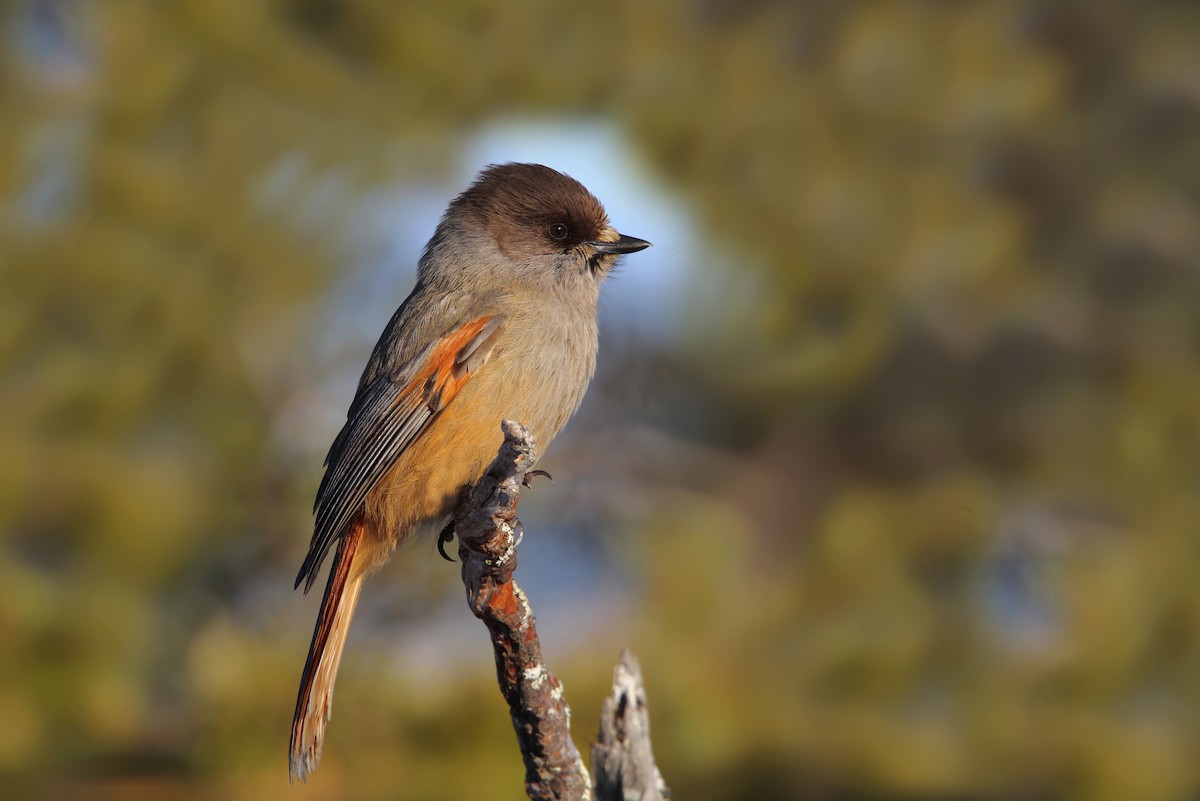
{"x": 389, "y": 413}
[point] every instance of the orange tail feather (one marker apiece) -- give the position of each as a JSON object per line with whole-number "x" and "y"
{"x": 315, "y": 700}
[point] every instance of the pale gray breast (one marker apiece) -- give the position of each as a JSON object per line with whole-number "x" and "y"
{"x": 549, "y": 359}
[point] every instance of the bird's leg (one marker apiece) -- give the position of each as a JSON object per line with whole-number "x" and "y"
{"x": 446, "y": 536}
{"x": 529, "y": 474}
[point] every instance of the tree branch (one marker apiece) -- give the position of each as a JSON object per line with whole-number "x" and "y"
{"x": 487, "y": 528}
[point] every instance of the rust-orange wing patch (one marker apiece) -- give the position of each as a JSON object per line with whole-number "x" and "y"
{"x": 450, "y": 364}
{"x": 387, "y": 416}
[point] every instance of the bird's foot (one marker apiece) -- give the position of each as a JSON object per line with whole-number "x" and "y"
{"x": 446, "y": 536}
{"x": 531, "y": 474}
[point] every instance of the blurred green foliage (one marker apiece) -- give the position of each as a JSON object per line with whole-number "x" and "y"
{"x": 928, "y": 521}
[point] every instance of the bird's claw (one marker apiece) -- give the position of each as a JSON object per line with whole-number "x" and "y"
{"x": 519, "y": 530}
{"x": 529, "y": 474}
{"x": 446, "y": 536}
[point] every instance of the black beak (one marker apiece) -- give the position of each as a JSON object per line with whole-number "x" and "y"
{"x": 625, "y": 244}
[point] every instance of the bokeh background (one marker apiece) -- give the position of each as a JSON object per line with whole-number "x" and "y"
{"x": 890, "y": 475}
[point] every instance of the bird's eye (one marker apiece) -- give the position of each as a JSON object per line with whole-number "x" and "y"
{"x": 558, "y": 232}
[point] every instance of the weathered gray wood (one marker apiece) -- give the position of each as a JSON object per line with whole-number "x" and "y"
{"x": 622, "y": 758}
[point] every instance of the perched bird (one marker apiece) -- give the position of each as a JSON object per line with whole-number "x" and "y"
{"x": 501, "y": 324}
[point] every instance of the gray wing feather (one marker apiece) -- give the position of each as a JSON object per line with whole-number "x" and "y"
{"x": 381, "y": 424}
{"x": 477, "y": 351}
{"x": 374, "y": 439}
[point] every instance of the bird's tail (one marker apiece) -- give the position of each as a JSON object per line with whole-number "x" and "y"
{"x": 315, "y": 699}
